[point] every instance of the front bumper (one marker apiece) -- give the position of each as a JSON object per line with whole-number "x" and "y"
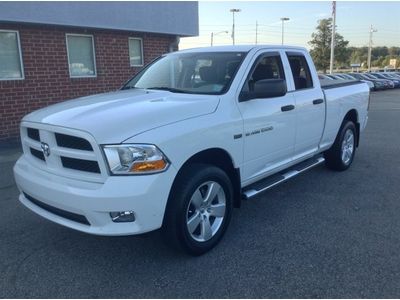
{"x": 146, "y": 195}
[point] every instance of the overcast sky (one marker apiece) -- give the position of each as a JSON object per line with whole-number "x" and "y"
{"x": 353, "y": 22}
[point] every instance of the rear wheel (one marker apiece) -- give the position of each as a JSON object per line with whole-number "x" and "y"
{"x": 199, "y": 209}
{"x": 340, "y": 156}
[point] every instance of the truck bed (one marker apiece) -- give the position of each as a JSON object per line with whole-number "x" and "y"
{"x": 341, "y": 97}
{"x": 330, "y": 84}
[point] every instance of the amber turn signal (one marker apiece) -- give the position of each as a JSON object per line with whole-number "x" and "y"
{"x": 149, "y": 166}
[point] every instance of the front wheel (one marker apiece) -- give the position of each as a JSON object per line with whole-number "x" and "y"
{"x": 340, "y": 156}
{"x": 199, "y": 209}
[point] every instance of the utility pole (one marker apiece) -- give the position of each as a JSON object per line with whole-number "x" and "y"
{"x": 233, "y": 11}
{"x": 283, "y": 21}
{"x": 371, "y": 31}
{"x": 256, "y": 32}
{"x": 333, "y": 37}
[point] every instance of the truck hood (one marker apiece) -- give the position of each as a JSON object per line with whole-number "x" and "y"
{"x": 117, "y": 116}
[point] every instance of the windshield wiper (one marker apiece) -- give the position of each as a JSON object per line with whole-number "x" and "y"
{"x": 165, "y": 88}
{"x": 128, "y": 87}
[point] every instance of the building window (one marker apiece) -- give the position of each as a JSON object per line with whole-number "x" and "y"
{"x": 136, "y": 52}
{"x": 81, "y": 58}
{"x": 11, "y": 67}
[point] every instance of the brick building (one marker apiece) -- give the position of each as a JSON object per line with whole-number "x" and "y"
{"x": 54, "y": 51}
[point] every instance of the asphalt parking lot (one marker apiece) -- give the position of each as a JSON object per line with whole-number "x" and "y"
{"x": 320, "y": 235}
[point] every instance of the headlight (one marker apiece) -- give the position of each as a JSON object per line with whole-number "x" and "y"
{"x": 135, "y": 159}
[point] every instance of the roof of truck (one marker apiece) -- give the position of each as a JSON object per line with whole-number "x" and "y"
{"x": 242, "y": 48}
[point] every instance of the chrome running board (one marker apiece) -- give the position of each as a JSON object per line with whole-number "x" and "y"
{"x": 273, "y": 180}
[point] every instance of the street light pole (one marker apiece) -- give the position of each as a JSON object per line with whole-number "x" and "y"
{"x": 233, "y": 10}
{"x": 333, "y": 37}
{"x": 216, "y": 33}
{"x": 371, "y": 31}
{"x": 283, "y": 21}
{"x": 256, "y": 32}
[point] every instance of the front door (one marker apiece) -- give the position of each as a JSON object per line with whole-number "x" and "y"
{"x": 269, "y": 123}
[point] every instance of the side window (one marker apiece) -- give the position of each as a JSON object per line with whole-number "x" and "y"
{"x": 266, "y": 67}
{"x": 300, "y": 71}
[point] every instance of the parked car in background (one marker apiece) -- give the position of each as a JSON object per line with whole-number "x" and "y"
{"x": 395, "y": 74}
{"x": 339, "y": 76}
{"x": 378, "y": 83}
{"x": 334, "y": 77}
{"x": 342, "y": 76}
{"x": 388, "y": 83}
{"x": 369, "y": 82}
{"x": 348, "y": 76}
{"x": 324, "y": 77}
{"x": 396, "y": 82}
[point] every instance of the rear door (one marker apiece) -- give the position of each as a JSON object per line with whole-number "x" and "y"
{"x": 310, "y": 106}
{"x": 269, "y": 123}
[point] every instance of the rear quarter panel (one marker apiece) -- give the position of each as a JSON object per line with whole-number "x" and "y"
{"x": 339, "y": 101}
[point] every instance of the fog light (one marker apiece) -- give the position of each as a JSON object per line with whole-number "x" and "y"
{"x": 122, "y": 216}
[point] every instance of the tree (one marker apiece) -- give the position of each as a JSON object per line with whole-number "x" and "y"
{"x": 358, "y": 55}
{"x": 394, "y": 51}
{"x": 321, "y": 46}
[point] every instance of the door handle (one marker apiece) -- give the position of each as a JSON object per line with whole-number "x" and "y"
{"x": 318, "y": 101}
{"x": 287, "y": 107}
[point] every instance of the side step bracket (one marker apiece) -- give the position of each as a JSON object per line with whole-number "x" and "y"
{"x": 273, "y": 180}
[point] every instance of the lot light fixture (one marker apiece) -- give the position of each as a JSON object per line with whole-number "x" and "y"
{"x": 283, "y": 22}
{"x": 233, "y": 11}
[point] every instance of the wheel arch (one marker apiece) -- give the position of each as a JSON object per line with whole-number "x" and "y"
{"x": 222, "y": 159}
{"x": 352, "y": 115}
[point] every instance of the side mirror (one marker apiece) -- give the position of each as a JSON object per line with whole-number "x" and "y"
{"x": 265, "y": 88}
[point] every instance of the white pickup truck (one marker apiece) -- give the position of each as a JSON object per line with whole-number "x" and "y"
{"x": 185, "y": 141}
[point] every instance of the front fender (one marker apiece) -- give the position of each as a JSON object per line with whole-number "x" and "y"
{"x": 180, "y": 141}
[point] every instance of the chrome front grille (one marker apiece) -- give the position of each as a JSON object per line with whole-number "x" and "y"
{"x": 63, "y": 151}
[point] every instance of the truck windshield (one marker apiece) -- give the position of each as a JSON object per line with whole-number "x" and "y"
{"x": 192, "y": 73}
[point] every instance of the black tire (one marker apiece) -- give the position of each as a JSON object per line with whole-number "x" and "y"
{"x": 180, "y": 205}
{"x": 334, "y": 156}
